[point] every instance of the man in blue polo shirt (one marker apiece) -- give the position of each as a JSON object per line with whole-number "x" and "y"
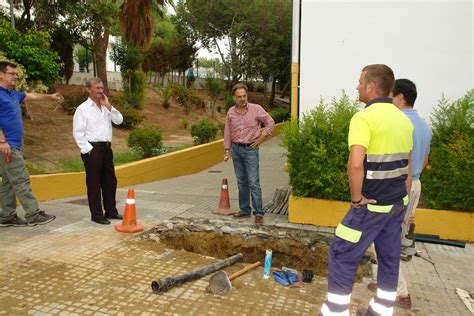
{"x": 379, "y": 170}
{"x": 404, "y": 96}
{"x": 15, "y": 177}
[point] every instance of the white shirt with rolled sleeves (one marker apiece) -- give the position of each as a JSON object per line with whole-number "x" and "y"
{"x": 90, "y": 124}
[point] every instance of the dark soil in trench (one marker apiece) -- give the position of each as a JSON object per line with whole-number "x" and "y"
{"x": 291, "y": 248}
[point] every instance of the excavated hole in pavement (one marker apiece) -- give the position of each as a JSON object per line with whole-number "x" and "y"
{"x": 294, "y": 248}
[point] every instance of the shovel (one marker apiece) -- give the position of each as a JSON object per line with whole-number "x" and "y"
{"x": 220, "y": 284}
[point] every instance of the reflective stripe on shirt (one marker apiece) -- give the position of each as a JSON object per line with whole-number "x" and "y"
{"x": 386, "y": 174}
{"x": 386, "y": 157}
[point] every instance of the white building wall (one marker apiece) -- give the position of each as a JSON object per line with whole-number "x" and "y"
{"x": 427, "y": 41}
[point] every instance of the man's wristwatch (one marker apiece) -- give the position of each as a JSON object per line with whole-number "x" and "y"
{"x": 357, "y": 202}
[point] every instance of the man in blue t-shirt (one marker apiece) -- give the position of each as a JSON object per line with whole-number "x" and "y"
{"x": 404, "y": 96}
{"x": 15, "y": 178}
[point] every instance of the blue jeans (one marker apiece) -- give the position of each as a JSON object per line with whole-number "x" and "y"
{"x": 246, "y": 167}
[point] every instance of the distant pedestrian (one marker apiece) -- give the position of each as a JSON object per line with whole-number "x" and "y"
{"x": 242, "y": 138}
{"x": 92, "y": 130}
{"x": 190, "y": 77}
{"x": 15, "y": 177}
{"x": 380, "y": 142}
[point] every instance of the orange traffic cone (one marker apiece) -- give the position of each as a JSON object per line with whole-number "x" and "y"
{"x": 224, "y": 202}
{"x": 129, "y": 223}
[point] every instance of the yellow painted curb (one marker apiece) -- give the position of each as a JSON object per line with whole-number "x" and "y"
{"x": 186, "y": 161}
{"x": 447, "y": 224}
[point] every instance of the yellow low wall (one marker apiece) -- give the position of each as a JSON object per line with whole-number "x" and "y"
{"x": 186, "y": 161}
{"x": 447, "y": 224}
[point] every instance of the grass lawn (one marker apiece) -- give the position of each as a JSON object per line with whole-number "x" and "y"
{"x": 76, "y": 164}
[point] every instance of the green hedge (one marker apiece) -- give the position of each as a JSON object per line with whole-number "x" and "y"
{"x": 182, "y": 95}
{"x": 131, "y": 118}
{"x": 447, "y": 182}
{"x": 148, "y": 141}
{"x": 317, "y": 154}
{"x": 317, "y": 150}
{"x": 280, "y": 115}
{"x": 228, "y": 101}
{"x": 134, "y": 88}
{"x": 204, "y": 131}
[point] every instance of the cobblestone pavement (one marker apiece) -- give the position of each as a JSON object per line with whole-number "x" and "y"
{"x": 75, "y": 267}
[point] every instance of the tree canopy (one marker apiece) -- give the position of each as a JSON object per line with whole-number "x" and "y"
{"x": 253, "y": 38}
{"x": 257, "y": 35}
{"x": 31, "y": 49}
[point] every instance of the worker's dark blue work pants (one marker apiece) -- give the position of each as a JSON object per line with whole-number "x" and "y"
{"x": 359, "y": 228}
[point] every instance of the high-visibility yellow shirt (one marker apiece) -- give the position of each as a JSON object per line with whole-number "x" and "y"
{"x": 386, "y": 133}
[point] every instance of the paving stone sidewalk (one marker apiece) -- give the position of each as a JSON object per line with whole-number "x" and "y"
{"x": 73, "y": 266}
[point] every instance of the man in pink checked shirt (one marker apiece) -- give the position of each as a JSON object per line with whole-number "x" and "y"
{"x": 242, "y": 137}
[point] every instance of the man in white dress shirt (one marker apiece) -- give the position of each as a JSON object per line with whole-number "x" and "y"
{"x": 92, "y": 130}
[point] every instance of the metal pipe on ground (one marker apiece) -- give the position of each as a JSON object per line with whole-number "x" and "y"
{"x": 433, "y": 239}
{"x": 164, "y": 285}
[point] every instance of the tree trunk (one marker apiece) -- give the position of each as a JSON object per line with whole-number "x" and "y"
{"x": 285, "y": 89}
{"x": 101, "y": 42}
{"x": 272, "y": 95}
{"x": 234, "y": 59}
{"x": 94, "y": 63}
{"x": 227, "y": 68}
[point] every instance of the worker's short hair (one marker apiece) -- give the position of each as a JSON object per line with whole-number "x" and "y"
{"x": 382, "y": 76}
{"x": 5, "y": 64}
{"x": 91, "y": 80}
{"x": 239, "y": 86}
{"x": 408, "y": 89}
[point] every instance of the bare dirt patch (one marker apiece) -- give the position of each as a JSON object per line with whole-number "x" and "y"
{"x": 48, "y": 136}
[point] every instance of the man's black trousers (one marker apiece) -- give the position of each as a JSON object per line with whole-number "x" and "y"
{"x": 100, "y": 180}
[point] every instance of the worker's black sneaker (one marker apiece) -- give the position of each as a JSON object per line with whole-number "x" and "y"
{"x": 15, "y": 221}
{"x": 42, "y": 219}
